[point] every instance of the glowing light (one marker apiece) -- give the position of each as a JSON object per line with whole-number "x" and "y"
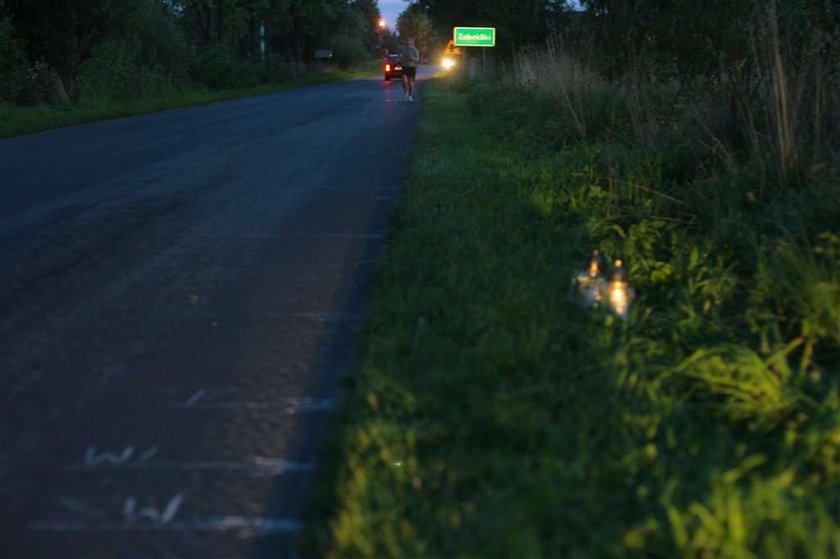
{"x": 589, "y": 284}
{"x": 594, "y": 265}
{"x": 382, "y": 23}
{"x": 619, "y": 293}
{"x": 618, "y": 298}
{"x": 387, "y": 67}
{"x": 448, "y": 63}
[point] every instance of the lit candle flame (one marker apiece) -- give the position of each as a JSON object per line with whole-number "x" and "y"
{"x": 619, "y": 293}
{"x": 589, "y": 284}
{"x": 618, "y": 298}
{"x": 594, "y": 267}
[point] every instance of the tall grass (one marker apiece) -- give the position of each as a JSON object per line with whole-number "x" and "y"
{"x": 494, "y": 418}
{"x": 775, "y": 114}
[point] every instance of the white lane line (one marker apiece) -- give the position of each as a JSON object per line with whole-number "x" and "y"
{"x": 257, "y": 466}
{"x": 244, "y": 524}
{"x": 291, "y": 406}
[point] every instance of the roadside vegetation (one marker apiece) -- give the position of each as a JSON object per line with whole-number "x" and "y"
{"x": 493, "y": 415}
{"x": 68, "y": 63}
{"x": 18, "y": 120}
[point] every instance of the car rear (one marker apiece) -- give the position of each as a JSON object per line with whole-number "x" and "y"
{"x": 393, "y": 67}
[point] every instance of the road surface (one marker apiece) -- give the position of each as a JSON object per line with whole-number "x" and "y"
{"x": 178, "y": 299}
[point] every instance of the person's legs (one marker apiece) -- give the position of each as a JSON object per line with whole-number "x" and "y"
{"x": 410, "y": 75}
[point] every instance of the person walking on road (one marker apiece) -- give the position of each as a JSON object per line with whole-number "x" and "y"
{"x": 410, "y": 59}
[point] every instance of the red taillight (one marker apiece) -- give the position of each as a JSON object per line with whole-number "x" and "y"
{"x": 387, "y": 67}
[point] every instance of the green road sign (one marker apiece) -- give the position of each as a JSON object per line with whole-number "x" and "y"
{"x": 475, "y": 36}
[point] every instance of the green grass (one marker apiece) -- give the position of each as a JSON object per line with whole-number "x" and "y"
{"x": 16, "y": 121}
{"x": 494, "y": 416}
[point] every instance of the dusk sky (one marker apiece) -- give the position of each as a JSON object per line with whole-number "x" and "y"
{"x": 390, "y": 9}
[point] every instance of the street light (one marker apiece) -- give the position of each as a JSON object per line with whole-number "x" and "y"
{"x": 382, "y": 23}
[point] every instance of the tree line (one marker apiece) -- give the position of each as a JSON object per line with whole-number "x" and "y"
{"x": 57, "y": 50}
{"x": 681, "y": 36}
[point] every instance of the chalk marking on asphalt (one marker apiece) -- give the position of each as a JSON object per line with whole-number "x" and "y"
{"x": 206, "y": 393}
{"x": 257, "y": 466}
{"x": 245, "y": 525}
{"x": 132, "y": 514}
{"x": 93, "y": 460}
{"x": 196, "y": 397}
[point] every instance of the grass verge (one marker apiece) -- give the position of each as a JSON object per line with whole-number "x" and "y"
{"x": 493, "y": 416}
{"x": 16, "y": 121}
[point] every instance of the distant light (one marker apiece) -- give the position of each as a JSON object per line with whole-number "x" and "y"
{"x": 448, "y": 63}
{"x": 382, "y": 23}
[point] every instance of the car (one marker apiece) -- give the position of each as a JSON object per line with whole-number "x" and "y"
{"x": 393, "y": 66}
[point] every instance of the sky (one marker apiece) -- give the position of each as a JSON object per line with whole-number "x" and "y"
{"x": 390, "y": 9}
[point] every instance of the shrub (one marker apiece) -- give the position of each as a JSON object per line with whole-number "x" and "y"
{"x": 215, "y": 67}
{"x": 111, "y": 73}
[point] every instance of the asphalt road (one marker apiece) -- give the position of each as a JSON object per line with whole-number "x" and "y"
{"x": 179, "y": 294}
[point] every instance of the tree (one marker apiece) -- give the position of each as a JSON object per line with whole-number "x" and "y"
{"x": 416, "y": 23}
{"x": 369, "y": 12}
{"x": 64, "y": 33}
{"x": 117, "y": 44}
{"x": 517, "y": 21}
